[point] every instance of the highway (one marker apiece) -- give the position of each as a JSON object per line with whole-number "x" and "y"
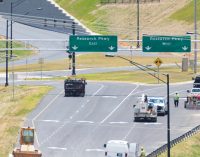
{"x": 76, "y": 126}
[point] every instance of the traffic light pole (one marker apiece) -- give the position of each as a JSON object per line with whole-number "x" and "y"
{"x": 168, "y": 118}
{"x": 73, "y": 53}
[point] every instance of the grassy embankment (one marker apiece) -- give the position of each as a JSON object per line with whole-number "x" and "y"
{"x": 187, "y": 13}
{"x": 14, "y": 111}
{"x": 121, "y": 19}
{"x": 188, "y": 148}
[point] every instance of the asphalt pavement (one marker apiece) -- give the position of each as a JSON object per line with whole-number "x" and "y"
{"x": 76, "y": 127}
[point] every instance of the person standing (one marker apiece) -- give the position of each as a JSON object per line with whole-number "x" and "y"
{"x": 176, "y": 100}
{"x": 142, "y": 153}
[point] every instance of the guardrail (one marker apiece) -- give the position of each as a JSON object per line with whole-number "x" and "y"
{"x": 127, "y": 1}
{"x": 174, "y": 142}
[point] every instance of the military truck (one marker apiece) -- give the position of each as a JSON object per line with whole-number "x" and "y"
{"x": 26, "y": 148}
{"x": 144, "y": 110}
{"x": 74, "y": 87}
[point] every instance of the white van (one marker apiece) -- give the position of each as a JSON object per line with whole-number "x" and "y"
{"x": 119, "y": 148}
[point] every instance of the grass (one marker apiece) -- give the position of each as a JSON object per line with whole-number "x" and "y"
{"x": 92, "y": 60}
{"x": 188, "y": 148}
{"x": 139, "y": 76}
{"x": 187, "y": 13}
{"x": 120, "y": 19}
{"x": 135, "y": 76}
{"x": 14, "y": 111}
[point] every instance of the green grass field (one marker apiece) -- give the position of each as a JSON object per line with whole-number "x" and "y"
{"x": 187, "y": 13}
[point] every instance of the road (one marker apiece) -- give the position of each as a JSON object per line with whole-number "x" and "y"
{"x": 76, "y": 127}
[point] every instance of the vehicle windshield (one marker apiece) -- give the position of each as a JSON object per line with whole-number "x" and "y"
{"x": 196, "y": 90}
{"x": 73, "y": 85}
{"x": 156, "y": 101}
{"x": 197, "y": 80}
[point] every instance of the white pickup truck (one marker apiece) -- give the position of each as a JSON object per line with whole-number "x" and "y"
{"x": 119, "y": 148}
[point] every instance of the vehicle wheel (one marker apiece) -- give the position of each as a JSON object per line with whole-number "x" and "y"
{"x": 135, "y": 119}
{"x": 82, "y": 94}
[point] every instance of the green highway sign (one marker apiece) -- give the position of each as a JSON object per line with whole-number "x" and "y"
{"x": 154, "y": 43}
{"x": 92, "y": 43}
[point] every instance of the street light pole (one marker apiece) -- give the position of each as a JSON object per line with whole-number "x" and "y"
{"x": 138, "y": 23}
{"x": 195, "y": 36}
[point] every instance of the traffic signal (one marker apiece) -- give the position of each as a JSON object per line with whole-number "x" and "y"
{"x": 1, "y": 1}
{"x": 70, "y": 56}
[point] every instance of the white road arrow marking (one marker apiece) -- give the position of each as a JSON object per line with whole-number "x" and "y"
{"x": 111, "y": 48}
{"x": 185, "y": 48}
{"x": 75, "y": 47}
{"x": 148, "y": 48}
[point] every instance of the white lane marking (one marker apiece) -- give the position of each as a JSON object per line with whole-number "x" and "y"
{"x": 94, "y": 150}
{"x": 119, "y": 105}
{"x": 71, "y": 117}
{"x": 55, "y": 121}
{"x": 85, "y": 122}
{"x": 57, "y": 148}
{"x": 118, "y": 122}
{"x": 125, "y": 137}
{"x": 102, "y": 86}
{"x": 153, "y": 123}
{"x": 36, "y": 137}
{"x": 114, "y": 97}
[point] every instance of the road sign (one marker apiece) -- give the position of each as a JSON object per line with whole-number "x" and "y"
{"x": 158, "y": 61}
{"x": 166, "y": 43}
{"x": 92, "y": 43}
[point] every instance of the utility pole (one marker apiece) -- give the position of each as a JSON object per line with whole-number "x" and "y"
{"x": 195, "y": 36}
{"x": 11, "y": 29}
{"x": 73, "y": 53}
{"x": 6, "y": 84}
{"x": 138, "y": 24}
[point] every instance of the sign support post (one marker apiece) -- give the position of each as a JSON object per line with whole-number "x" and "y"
{"x": 73, "y": 53}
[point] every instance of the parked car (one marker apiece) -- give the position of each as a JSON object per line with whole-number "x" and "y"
{"x": 160, "y": 103}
